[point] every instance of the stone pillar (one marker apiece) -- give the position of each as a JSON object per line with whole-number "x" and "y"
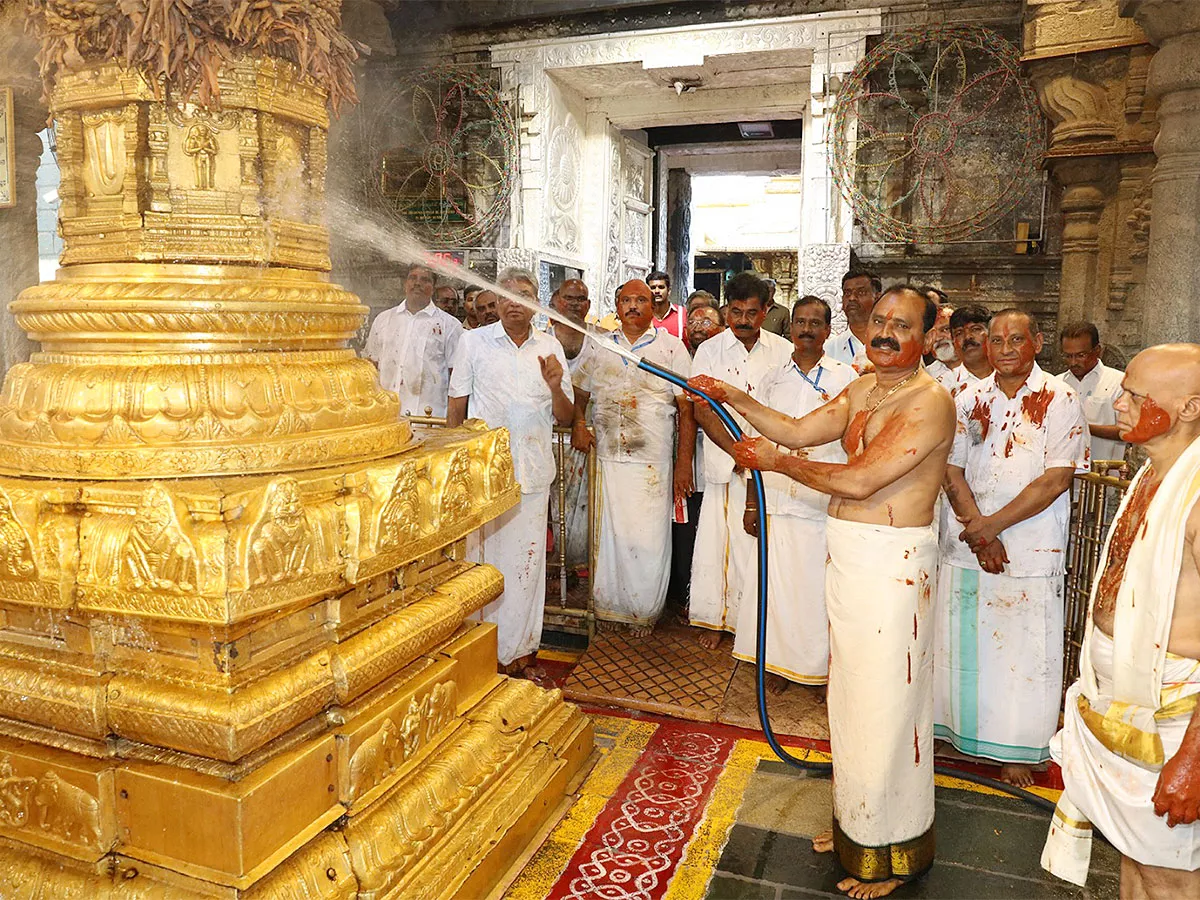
{"x": 18, "y": 224}
{"x": 678, "y": 238}
{"x": 1172, "y": 276}
{"x": 1085, "y": 184}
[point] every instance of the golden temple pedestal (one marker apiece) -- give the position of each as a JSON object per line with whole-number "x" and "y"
{"x": 239, "y": 649}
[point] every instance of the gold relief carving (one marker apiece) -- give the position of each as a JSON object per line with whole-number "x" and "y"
{"x": 104, "y": 152}
{"x": 200, "y": 143}
{"x": 157, "y": 554}
{"x": 65, "y": 811}
{"x": 281, "y": 540}
{"x": 61, "y": 698}
{"x": 400, "y": 520}
{"x": 454, "y": 503}
{"x": 500, "y": 474}
{"x": 395, "y": 832}
{"x": 16, "y": 551}
{"x": 516, "y": 705}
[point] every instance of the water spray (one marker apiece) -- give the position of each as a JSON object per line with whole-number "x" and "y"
{"x": 399, "y": 246}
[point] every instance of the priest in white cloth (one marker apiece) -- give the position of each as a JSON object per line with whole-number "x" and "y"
{"x": 1020, "y": 439}
{"x": 797, "y": 624}
{"x": 1130, "y": 742}
{"x": 723, "y": 558}
{"x": 896, "y": 426}
{"x": 640, "y": 471}
{"x": 513, "y": 376}
{"x": 413, "y": 344}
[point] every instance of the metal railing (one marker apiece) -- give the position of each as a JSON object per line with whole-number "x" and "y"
{"x": 1095, "y": 499}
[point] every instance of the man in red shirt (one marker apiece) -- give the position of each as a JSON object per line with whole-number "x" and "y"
{"x": 668, "y": 315}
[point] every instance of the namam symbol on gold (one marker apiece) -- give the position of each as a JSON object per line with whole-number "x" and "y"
{"x": 281, "y": 539}
{"x": 157, "y": 555}
{"x": 381, "y": 754}
{"x": 104, "y": 151}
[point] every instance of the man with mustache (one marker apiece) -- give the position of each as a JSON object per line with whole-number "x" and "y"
{"x": 1098, "y": 387}
{"x": 797, "y": 624}
{"x": 487, "y": 309}
{"x": 1130, "y": 742}
{"x": 722, "y": 565}
{"x": 860, "y": 289}
{"x": 941, "y": 346}
{"x": 1020, "y": 439}
{"x": 640, "y": 472}
{"x": 896, "y": 426}
{"x": 968, "y": 331}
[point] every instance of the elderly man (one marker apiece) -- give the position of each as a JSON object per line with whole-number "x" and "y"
{"x": 445, "y": 298}
{"x": 1098, "y": 387}
{"x": 667, "y": 315}
{"x": 703, "y": 322}
{"x": 941, "y": 347}
{"x": 860, "y": 289}
{"x": 640, "y": 470}
{"x": 413, "y": 344}
{"x": 701, "y": 298}
{"x": 896, "y": 426}
{"x": 797, "y": 625}
{"x": 515, "y": 377}
{"x": 723, "y": 561}
{"x": 1130, "y": 743}
{"x": 571, "y": 299}
{"x": 1019, "y": 440}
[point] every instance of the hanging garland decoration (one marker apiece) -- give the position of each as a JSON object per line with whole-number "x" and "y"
{"x": 447, "y": 173}
{"x": 935, "y": 135}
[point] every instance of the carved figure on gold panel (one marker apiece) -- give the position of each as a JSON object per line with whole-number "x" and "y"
{"x": 440, "y": 708}
{"x": 401, "y": 517}
{"x": 456, "y": 494}
{"x": 281, "y": 540}
{"x": 410, "y": 729}
{"x": 66, "y": 811}
{"x": 16, "y": 551}
{"x": 200, "y": 143}
{"x": 373, "y": 760}
{"x": 157, "y": 554}
{"x": 500, "y": 464}
{"x": 104, "y": 151}
{"x": 287, "y": 182}
{"x": 14, "y": 795}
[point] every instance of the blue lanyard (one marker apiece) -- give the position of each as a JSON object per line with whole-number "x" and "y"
{"x": 653, "y": 333}
{"x": 816, "y": 385}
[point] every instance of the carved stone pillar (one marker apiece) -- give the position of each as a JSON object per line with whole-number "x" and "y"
{"x": 1085, "y": 184}
{"x": 1172, "y": 277}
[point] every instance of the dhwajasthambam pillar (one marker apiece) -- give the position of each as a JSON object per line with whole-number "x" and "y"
{"x": 236, "y": 655}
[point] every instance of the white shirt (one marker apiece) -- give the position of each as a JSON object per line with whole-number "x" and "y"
{"x": 956, "y": 380}
{"x": 1098, "y": 390}
{"x": 634, "y": 411}
{"x": 1004, "y": 445}
{"x": 846, "y": 348}
{"x": 507, "y": 390}
{"x": 724, "y": 357}
{"x": 414, "y": 352}
{"x": 797, "y": 394}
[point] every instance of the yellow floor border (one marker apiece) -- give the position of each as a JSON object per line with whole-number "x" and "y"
{"x": 544, "y": 869}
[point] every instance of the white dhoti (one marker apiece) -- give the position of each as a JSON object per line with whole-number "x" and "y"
{"x": 633, "y": 558}
{"x": 515, "y": 543}
{"x": 878, "y": 591}
{"x": 998, "y": 671}
{"x": 797, "y": 625}
{"x": 1112, "y": 792}
{"x": 724, "y": 563}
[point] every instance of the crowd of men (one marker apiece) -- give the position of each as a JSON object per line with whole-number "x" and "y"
{"x": 918, "y": 476}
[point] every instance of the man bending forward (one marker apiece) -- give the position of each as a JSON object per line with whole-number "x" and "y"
{"x": 896, "y": 425}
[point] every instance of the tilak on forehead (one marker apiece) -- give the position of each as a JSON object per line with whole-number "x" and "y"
{"x": 635, "y": 287}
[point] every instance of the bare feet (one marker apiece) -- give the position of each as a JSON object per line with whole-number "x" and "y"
{"x": 818, "y": 692}
{"x": 710, "y": 640}
{"x": 776, "y": 684}
{"x": 864, "y": 890}
{"x": 823, "y": 842}
{"x": 640, "y": 630}
{"x": 606, "y": 625}
{"x": 1017, "y": 776}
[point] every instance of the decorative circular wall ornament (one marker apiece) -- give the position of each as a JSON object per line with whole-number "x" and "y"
{"x": 935, "y": 134}
{"x": 444, "y": 146}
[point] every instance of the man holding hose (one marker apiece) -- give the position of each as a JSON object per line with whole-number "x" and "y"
{"x": 896, "y": 425}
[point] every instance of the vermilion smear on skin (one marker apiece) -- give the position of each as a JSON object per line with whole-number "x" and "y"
{"x": 1152, "y": 421}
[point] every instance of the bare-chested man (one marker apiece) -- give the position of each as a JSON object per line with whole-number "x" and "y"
{"x": 896, "y": 425}
{"x": 1130, "y": 743}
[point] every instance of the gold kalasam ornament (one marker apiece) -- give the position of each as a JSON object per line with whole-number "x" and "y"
{"x": 236, "y": 609}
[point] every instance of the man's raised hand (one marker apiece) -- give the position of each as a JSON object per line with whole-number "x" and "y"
{"x": 552, "y": 369}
